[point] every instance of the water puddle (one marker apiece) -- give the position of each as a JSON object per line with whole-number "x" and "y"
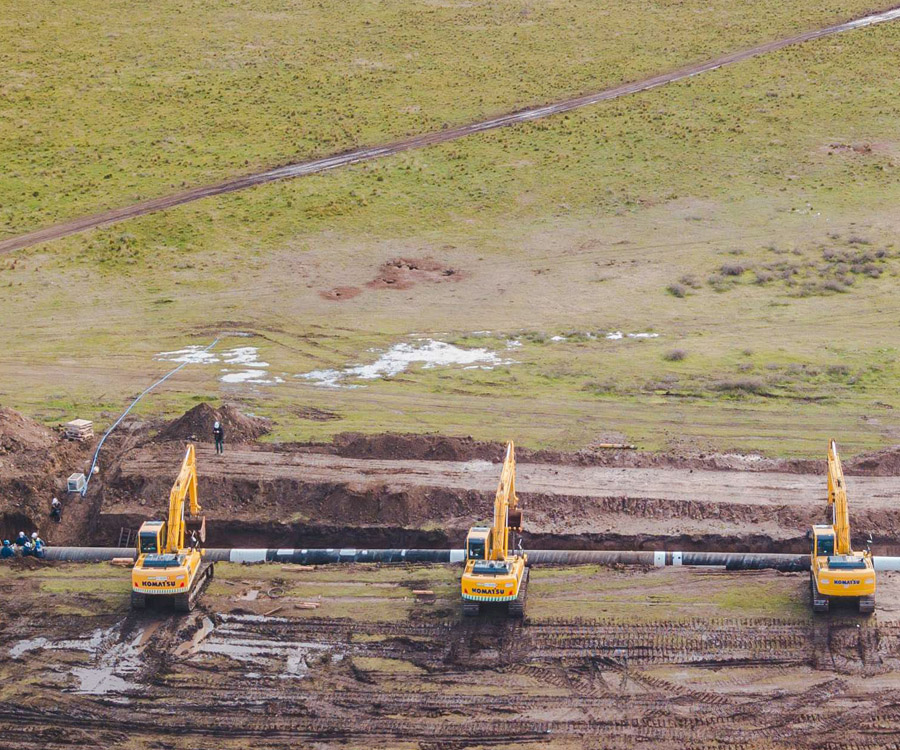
{"x": 114, "y": 659}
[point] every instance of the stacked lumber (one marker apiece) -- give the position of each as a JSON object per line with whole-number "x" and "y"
{"x": 80, "y": 429}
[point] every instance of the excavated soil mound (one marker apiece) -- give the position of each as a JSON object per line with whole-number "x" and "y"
{"x": 402, "y": 273}
{"x": 883, "y": 463}
{"x": 392, "y": 445}
{"x": 197, "y": 424}
{"x": 406, "y": 446}
{"x": 19, "y": 434}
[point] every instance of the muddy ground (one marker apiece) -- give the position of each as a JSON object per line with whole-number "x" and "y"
{"x": 281, "y": 656}
{"x": 353, "y": 657}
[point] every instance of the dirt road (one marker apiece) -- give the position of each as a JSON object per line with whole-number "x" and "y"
{"x": 373, "y": 152}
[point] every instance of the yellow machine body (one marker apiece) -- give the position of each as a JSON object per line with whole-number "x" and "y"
{"x": 494, "y": 574}
{"x": 165, "y": 566}
{"x": 836, "y": 571}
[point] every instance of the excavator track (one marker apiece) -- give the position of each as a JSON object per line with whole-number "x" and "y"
{"x": 517, "y": 607}
{"x": 820, "y": 602}
{"x": 867, "y": 604}
{"x": 471, "y": 609}
{"x": 186, "y": 602}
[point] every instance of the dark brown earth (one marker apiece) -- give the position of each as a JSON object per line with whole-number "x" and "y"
{"x": 403, "y": 273}
{"x": 397, "y": 490}
{"x": 367, "y": 153}
{"x": 660, "y": 659}
{"x": 198, "y": 423}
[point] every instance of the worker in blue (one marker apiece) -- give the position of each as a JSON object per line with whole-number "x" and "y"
{"x": 37, "y": 545}
{"x": 21, "y": 539}
{"x": 7, "y": 550}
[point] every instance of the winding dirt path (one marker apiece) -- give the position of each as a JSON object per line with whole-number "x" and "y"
{"x": 367, "y": 153}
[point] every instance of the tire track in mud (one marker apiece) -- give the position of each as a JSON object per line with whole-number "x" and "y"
{"x": 368, "y": 153}
{"x": 216, "y": 700}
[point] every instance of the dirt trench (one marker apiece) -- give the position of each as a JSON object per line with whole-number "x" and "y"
{"x": 257, "y": 496}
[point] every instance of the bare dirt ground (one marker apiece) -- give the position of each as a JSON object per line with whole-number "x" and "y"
{"x": 660, "y": 658}
{"x": 292, "y": 496}
{"x": 353, "y": 657}
{"x": 426, "y": 491}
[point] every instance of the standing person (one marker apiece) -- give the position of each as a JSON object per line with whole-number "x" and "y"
{"x": 56, "y": 510}
{"x": 219, "y": 435}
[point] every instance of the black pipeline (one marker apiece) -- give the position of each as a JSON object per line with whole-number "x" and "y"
{"x": 727, "y": 560}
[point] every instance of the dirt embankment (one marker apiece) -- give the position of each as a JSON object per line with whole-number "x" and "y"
{"x": 197, "y": 424}
{"x": 34, "y": 464}
{"x": 395, "y": 490}
{"x": 426, "y": 491}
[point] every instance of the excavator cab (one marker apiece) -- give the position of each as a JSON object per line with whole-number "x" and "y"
{"x": 151, "y": 537}
{"x": 478, "y": 542}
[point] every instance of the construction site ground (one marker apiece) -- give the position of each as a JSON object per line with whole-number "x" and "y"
{"x": 350, "y": 657}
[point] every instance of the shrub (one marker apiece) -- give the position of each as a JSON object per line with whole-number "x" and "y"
{"x": 676, "y": 355}
{"x": 740, "y": 385}
{"x": 676, "y": 290}
{"x": 732, "y": 269}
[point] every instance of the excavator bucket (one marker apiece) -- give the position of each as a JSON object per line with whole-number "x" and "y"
{"x": 198, "y": 525}
{"x": 514, "y": 519}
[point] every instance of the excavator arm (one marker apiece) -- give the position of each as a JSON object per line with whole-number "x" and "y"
{"x": 506, "y": 514}
{"x": 837, "y": 499}
{"x": 184, "y": 489}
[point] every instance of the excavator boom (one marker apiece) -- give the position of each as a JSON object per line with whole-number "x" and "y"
{"x": 504, "y": 501}
{"x": 837, "y": 499}
{"x": 185, "y": 488}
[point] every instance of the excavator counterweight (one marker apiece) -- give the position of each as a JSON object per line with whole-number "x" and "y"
{"x": 167, "y": 569}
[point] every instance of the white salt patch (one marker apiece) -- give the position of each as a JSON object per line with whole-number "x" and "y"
{"x": 249, "y": 376}
{"x": 513, "y": 344}
{"x": 192, "y": 354}
{"x": 643, "y": 335}
{"x": 244, "y": 355}
{"x": 399, "y": 357}
{"x": 614, "y": 336}
{"x": 558, "y": 338}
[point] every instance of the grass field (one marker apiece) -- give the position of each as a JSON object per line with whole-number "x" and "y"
{"x": 746, "y": 216}
{"x": 109, "y": 102}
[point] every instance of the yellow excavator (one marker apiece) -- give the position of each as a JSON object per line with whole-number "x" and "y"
{"x": 166, "y": 569}
{"x": 493, "y": 574}
{"x": 836, "y": 572}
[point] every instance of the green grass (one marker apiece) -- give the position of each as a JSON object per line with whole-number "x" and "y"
{"x": 117, "y": 101}
{"x": 574, "y": 225}
{"x": 592, "y": 592}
